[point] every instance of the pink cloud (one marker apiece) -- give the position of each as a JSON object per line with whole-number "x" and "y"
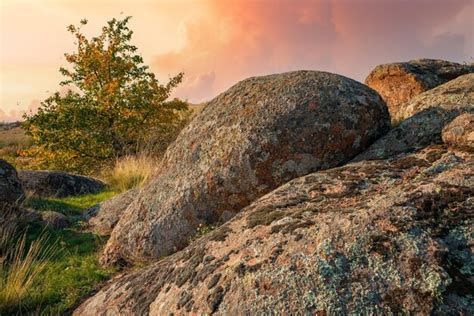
{"x": 238, "y": 39}
{"x": 11, "y": 116}
{"x": 14, "y": 115}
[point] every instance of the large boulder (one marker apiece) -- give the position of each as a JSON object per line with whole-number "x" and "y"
{"x": 257, "y": 135}
{"x": 425, "y": 117}
{"x": 103, "y": 217}
{"x": 374, "y": 237}
{"x": 460, "y": 132}
{"x": 11, "y": 197}
{"x": 11, "y": 190}
{"x": 398, "y": 83}
{"x": 58, "y": 184}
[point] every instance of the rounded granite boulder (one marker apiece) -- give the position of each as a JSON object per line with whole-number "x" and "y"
{"x": 58, "y": 184}
{"x": 259, "y": 134}
{"x": 11, "y": 190}
{"x": 425, "y": 116}
{"x": 398, "y": 83}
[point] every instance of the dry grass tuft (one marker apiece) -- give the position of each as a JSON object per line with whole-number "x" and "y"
{"x": 131, "y": 172}
{"x": 21, "y": 265}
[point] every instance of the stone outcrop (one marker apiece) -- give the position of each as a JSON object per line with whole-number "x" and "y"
{"x": 103, "y": 217}
{"x": 424, "y": 118}
{"x": 58, "y": 184}
{"x": 460, "y": 132}
{"x": 398, "y": 83}
{"x": 374, "y": 237}
{"x": 11, "y": 190}
{"x": 259, "y": 134}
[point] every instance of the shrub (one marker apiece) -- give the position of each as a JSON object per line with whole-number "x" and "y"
{"x": 112, "y": 107}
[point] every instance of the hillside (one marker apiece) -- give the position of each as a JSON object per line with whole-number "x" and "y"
{"x": 13, "y": 139}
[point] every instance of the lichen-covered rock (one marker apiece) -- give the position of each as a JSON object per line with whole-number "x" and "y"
{"x": 11, "y": 190}
{"x": 58, "y": 184}
{"x": 11, "y": 197}
{"x": 455, "y": 95}
{"x": 103, "y": 217}
{"x": 398, "y": 83}
{"x": 374, "y": 237}
{"x": 427, "y": 114}
{"x": 257, "y": 135}
{"x": 54, "y": 220}
{"x": 460, "y": 132}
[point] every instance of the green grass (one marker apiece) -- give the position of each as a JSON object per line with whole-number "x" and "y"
{"x": 73, "y": 272}
{"x": 70, "y": 206}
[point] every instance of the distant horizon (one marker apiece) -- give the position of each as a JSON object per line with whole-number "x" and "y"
{"x": 218, "y": 43}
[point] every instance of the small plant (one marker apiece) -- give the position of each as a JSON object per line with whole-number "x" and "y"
{"x": 21, "y": 265}
{"x": 202, "y": 230}
{"x": 131, "y": 172}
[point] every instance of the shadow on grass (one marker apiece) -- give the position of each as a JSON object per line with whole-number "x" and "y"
{"x": 54, "y": 205}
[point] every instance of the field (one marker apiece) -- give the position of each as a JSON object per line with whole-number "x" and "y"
{"x": 12, "y": 140}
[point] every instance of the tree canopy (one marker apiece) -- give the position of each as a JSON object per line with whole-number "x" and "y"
{"x": 113, "y": 106}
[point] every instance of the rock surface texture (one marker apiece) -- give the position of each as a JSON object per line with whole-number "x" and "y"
{"x": 257, "y": 135}
{"x": 11, "y": 190}
{"x": 460, "y": 132}
{"x": 373, "y": 237}
{"x": 425, "y": 116}
{"x": 103, "y": 217}
{"x": 54, "y": 220}
{"x": 398, "y": 83}
{"x": 57, "y": 184}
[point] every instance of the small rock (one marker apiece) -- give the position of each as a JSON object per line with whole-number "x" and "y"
{"x": 54, "y": 220}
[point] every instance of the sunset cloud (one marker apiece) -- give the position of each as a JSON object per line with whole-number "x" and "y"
{"x": 238, "y": 39}
{"x": 217, "y": 43}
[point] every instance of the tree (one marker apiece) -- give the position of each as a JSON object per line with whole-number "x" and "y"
{"x": 113, "y": 106}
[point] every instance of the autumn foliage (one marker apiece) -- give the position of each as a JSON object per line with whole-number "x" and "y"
{"x": 114, "y": 106}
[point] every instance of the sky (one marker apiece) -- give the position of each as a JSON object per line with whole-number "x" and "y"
{"x": 217, "y": 43}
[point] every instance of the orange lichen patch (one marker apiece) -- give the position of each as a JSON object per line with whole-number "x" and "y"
{"x": 312, "y": 106}
{"x": 386, "y": 225}
{"x": 337, "y": 128}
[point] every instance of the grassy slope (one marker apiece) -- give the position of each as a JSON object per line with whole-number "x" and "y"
{"x": 73, "y": 272}
{"x": 12, "y": 140}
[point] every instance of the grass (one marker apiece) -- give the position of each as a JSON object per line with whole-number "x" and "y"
{"x": 131, "y": 172}
{"x": 70, "y": 272}
{"x": 69, "y": 206}
{"x": 21, "y": 266}
{"x": 13, "y": 140}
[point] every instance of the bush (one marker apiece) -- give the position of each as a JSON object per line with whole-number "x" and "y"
{"x": 113, "y": 107}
